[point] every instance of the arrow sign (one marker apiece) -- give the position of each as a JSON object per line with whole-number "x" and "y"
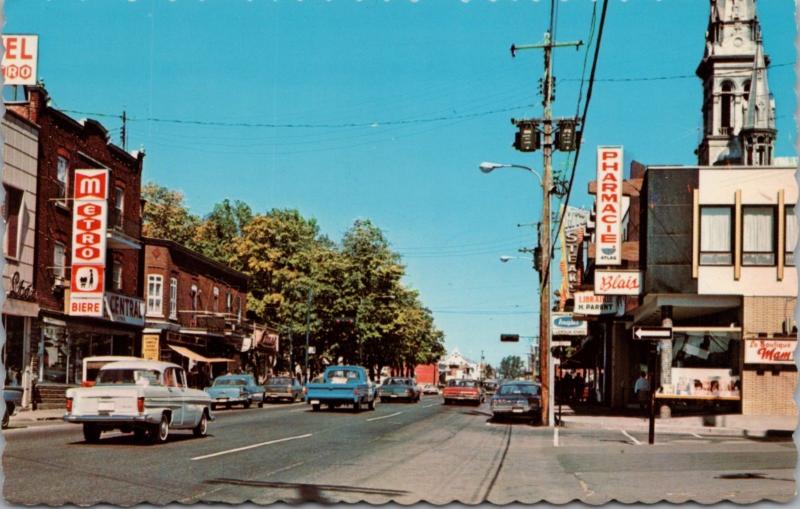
{"x": 645, "y": 333}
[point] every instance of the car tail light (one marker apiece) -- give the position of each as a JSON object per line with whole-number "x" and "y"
{"x": 140, "y": 405}
{"x": 87, "y": 383}
{"x": 69, "y": 405}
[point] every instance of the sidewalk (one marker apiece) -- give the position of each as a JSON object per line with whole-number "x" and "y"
{"x": 724, "y": 424}
{"x": 28, "y": 417}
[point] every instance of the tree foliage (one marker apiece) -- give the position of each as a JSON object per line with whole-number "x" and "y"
{"x": 360, "y": 312}
{"x": 511, "y": 367}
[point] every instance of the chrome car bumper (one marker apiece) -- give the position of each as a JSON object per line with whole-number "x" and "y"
{"x": 114, "y": 419}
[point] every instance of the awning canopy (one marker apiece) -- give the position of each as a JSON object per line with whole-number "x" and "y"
{"x": 196, "y": 356}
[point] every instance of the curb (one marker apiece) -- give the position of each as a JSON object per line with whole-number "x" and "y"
{"x": 740, "y": 432}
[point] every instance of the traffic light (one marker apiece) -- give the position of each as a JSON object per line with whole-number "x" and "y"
{"x": 567, "y": 136}
{"x": 537, "y": 258}
{"x": 343, "y": 321}
{"x": 526, "y": 138}
{"x": 509, "y": 338}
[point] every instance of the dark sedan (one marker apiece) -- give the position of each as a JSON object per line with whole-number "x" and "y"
{"x": 283, "y": 388}
{"x": 518, "y": 400}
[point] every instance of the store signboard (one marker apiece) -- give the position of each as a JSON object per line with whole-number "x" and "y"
{"x": 609, "y": 206}
{"x": 572, "y": 232}
{"x": 562, "y": 324}
{"x": 617, "y": 282}
{"x": 20, "y": 59}
{"x": 589, "y": 303}
{"x": 769, "y": 351}
{"x": 125, "y": 309}
{"x": 150, "y": 347}
{"x": 89, "y": 225}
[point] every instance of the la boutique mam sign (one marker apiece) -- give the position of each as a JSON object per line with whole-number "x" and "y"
{"x": 609, "y": 206}
{"x": 89, "y": 224}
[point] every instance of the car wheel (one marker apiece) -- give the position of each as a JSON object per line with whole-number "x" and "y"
{"x": 315, "y": 408}
{"x": 213, "y": 406}
{"x": 228, "y": 406}
{"x": 161, "y": 430}
{"x": 357, "y": 406}
{"x": 371, "y": 405}
{"x": 6, "y": 418}
{"x": 140, "y": 434}
{"x": 202, "y": 427}
{"x": 91, "y": 433}
{"x": 247, "y": 404}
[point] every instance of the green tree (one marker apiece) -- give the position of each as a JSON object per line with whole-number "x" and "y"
{"x": 511, "y": 367}
{"x": 217, "y": 232}
{"x": 489, "y": 371}
{"x": 166, "y": 217}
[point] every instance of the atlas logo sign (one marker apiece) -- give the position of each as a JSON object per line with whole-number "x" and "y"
{"x": 89, "y": 224}
{"x": 609, "y": 206}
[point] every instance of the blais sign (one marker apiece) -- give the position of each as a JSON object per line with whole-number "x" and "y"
{"x": 617, "y": 282}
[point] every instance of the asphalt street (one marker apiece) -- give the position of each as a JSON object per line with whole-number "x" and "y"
{"x": 402, "y": 452}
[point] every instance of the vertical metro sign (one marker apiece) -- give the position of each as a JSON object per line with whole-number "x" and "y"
{"x": 89, "y": 222}
{"x": 608, "y": 226}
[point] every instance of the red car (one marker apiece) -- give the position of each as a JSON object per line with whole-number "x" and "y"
{"x": 463, "y": 390}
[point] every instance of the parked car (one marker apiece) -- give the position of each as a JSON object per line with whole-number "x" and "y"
{"x": 232, "y": 390}
{"x": 519, "y": 400}
{"x": 282, "y": 388}
{"x": 463, "y": 390}
{"x": 342, "y": 385}
{"x": 13, "y": 398}
{"x": 147, "y": 398}
{"x": 430, "y": 389}
{"x": 399, "y": 388}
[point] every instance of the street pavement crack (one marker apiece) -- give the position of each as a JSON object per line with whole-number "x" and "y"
{"x": 499, "y": 465}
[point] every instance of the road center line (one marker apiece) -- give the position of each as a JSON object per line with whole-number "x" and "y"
{"x": 250, "y": 447}
{"x": 633, "y": 439}
{"x": 384, "y": 416}
{"x": 696, "y": 435}
{"x": 432, "y": 404}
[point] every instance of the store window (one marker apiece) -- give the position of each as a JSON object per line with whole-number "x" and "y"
{"x": 706, "y": 364}
{"x": 758, "y": 236}
{"x": 228, "y": 302}
{"x": 155, "y": 291}
{"x": 14, "y": 349}
{"x": 715, "y": 236}
{"x": 62, "y": 179}
{"x": 791, "y": 235}
{"x": 11, "y": 214}
{"x": 59, "y": 260}
{"x": 216, "y": 299}
{"x": 54, "y": 354}
{"x": 173, "y": 298}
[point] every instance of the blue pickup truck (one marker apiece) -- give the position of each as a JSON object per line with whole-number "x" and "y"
{"x": 342, "y": 385}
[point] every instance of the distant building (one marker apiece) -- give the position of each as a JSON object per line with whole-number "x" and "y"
{"x": 456, "y": 366}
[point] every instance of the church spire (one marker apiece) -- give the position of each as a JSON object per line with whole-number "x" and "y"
{"x": 732, "y": 64}
{"x": 758, "y": 131}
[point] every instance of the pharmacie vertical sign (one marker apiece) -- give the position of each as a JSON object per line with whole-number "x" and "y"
{"x": 89, "y": 224}
{"x": 609, "y": 206}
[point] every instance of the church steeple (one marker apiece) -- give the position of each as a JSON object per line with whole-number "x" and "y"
{"x": 732, "y": 64}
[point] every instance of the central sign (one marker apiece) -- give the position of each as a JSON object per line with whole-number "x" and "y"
{"x": 89, "y": 224}
{"x": 609, "y": 206}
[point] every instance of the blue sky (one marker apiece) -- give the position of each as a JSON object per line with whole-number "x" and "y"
{"x": 404, "y": 99}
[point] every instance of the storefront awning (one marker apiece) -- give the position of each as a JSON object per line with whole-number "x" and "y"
{"x": 196, "y": 356}
{"x": 17, "y": 307}
{"x": 684, "y": 306}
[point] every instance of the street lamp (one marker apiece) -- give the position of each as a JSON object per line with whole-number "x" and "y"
{"x": 488, "y": 167}
{"x": 542, "y": 264}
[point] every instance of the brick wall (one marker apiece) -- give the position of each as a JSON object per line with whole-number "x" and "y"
{"x": 170, "y": 260}
{"x": 768, "y": 393}
{"x": 767, "y": 314}
{"x": 84, "y": 145}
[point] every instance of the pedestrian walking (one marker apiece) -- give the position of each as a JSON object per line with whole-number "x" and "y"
{"x": 642, "y": 390}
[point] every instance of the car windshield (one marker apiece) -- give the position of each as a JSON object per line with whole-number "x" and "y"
{"x": 463, "y": 383}
{"x": 340, "y": 376}
{"x": 279, "y": 381}
{"x": 229, "y": 381}
{"x": 513, "y": 389}
{"x": 397, "y": 381}
{"x": 127, "y": 376}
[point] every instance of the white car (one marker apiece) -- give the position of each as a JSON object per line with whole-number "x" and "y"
{"x": 147, "y": 398}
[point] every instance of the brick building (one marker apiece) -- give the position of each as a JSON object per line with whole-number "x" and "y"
{"x": 66, "y": 144}
{"x": 195, "y": 309}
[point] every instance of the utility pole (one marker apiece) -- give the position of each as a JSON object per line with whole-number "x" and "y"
{"x": 123, "y": 132}
{"x": 308, "y": 328}
{"x": 545, "y": 357}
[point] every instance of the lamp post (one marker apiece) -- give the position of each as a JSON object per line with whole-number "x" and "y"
{"x": 543, "y": 265}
